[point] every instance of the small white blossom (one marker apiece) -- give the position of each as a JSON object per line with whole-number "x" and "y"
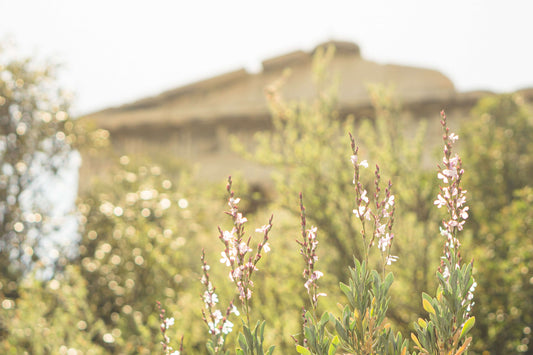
{"x": 440, "y": 201}
{"x": 463, "y": 212}
{"x": 385, "y": 242}
{"x": 169, "y": 322}
{"x": 233, "y": 201}
{"x": 227, "y": 327}
{"x": 244, "y": 248}
{"x": 235, "y": 311}
{"x": 210, "y": 298}
{"x": 227, "y": 236}
{"x": 446, "y": 273}
{"x": 362, "y": 212}
{"x": 317, "y": 274}
{"x": 453, "y": 137}
{"x": 263, "y": 229}
{"x": 442, "y": 177}
{"x": 239, "y": 219}
{"x": 364, "y": 197}
{"x": 390, "y": 202}
{"x": 391, "y": 259}
{"x": 225, "y": 259}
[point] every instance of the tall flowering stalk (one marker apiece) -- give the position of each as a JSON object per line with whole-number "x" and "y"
{"x": 381, "y": 218}
{"x": 308, "y": 246}
{"x": 449, "y": 312}
{"x": 238, "y": 254}
{"x": 363, "y": 327}
{"x": 316, "y": 338}
{"x": 452, "y": 196}
{"x": 242, "y": 260}
{"x": 165, "y": 324}
{"x": 218, "y": 323}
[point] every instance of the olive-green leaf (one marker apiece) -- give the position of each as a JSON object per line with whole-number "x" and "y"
{"x": 427, "y": 306}
{"x": 301, "y": 350}
{"x": 467, "y": 326}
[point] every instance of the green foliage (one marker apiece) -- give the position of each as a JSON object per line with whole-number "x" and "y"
{"x": 499, "y": 153}
{"x": 389, "y": 139}
{"x": 51, "y": 317}
{"x": 251, "y": 341}
{"x": 503, "y": 307}
{"x": 316, "y": 337}
{"x": 135, "y": 251}
{"x": 363, "y": 328}
{"x": 449, "y": 321}
{"x": 318, "y": 340}
{"x": 499, "y": 148}
{"x": 449, "y": 311}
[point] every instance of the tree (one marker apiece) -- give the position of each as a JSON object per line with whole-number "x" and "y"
{"x": 37, "y": 136}
{"x": 498, "y": 143}
{"x": 498, "y": 148}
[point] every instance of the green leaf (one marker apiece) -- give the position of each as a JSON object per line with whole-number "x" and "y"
{"x": 325, "y": 318}
{"x": 422, "y": 323}
{"x": 301, "y": 350}
{"x": 389, "y": 279}
{"x": 341, "y": 331}
{"x": 333, "y": 345}
{"x": 210, "y": 348}
{"x": 345, "y": 289}
{"x": 249, "y": 336}
{"x": 309, "y": 335}
{"x": 415, "y": 339}
{"x": 242, "y": 342}
{"x": 468, "y": 325}
{"x": 428, "y": 307}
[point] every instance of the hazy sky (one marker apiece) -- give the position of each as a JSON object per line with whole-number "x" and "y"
{"x": 116, "y": 51}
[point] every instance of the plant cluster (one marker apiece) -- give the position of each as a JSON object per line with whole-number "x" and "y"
{"x": 362, "y": 327}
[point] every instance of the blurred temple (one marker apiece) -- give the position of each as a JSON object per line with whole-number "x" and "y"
{"x": 194, "y": 122}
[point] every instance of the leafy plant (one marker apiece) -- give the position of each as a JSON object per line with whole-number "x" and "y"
{"x": 449, "y": 311}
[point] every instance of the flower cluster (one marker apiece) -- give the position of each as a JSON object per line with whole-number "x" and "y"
{"x": 165, "y": 324}
{"x": 449, "y": 311}
{"x": 451, "y": 194}
{"x": 381, "y": 213}
{"x": 218, "y": 324}
{"x": 242, "y": 259}
{"x": 238, "y": 254}
{"x": 308, "y": 247}
{"x": 469, "y": 301}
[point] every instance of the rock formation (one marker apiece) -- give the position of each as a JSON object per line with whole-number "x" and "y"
{"x": 193, "y": 122}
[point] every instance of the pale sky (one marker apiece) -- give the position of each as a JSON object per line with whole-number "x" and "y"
{"x": 117, "y": 51}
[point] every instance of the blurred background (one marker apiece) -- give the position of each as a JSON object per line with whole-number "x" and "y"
{"x": 121, "y": 121}
{"x": 139, "y": 50}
